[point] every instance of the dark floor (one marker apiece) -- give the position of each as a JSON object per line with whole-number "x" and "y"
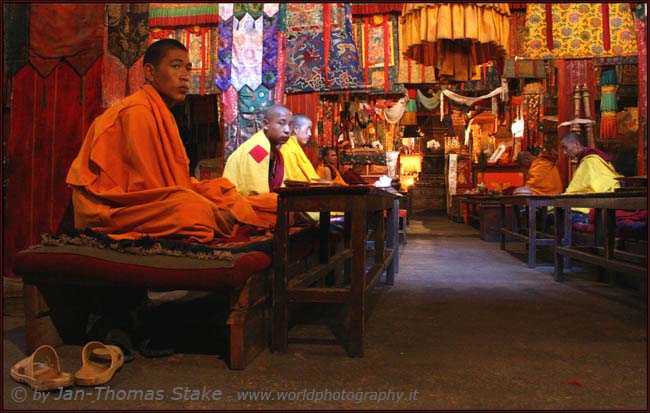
{"x": 466, "y": 326}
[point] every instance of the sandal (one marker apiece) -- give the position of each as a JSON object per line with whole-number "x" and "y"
{"x": 41, "y": 371}
{"x": 99, "y": 364}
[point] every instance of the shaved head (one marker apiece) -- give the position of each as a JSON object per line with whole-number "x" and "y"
{"x": 278, "y": 122}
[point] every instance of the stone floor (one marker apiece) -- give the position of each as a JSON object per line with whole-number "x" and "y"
{"x": 466, "y": 326}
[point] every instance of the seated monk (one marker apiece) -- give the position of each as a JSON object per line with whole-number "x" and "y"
{"x": 327, "y": 169}
{"x": 594, "y": 173}
{"x": 257, "y": 166}
{"x": 297, "y": 167}
{"x": 542, "y": 175}
{"x": 131, "y": 177}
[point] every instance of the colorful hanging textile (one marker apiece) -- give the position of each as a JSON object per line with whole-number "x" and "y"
{"x": 321, "y": 50}
{"x": 367, "y": 9}
{"x": 183, "y": 14}
{"x": 74, "y": 32}
{"x": 524, "y": 68}
{"x": 454, "y": 37}
{"x": 517, "y": 32}
{"x": 202, "y": 44}
{"x": 579, "y": 30}
{"x": 411, "y": 71}
{"x": 376, "y": 37}
{"x": 128, "y": 30}
{"x": 641, "y": 21}
{"x": 16, "y": 45}
{"x": 247, "y": 65}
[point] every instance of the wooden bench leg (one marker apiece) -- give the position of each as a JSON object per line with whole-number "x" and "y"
{"x": 247, "y": 321}
{"x": 39, "y": 328}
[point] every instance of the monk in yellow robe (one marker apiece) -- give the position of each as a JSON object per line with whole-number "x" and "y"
{"x": 257, "y": 165}
{"x": 297, "y": 167}
{"x": 131, "y": 177}
{"x": 594, "y": 172}
{"x": 327, "y": 169}
{"x": 543, "y": 176}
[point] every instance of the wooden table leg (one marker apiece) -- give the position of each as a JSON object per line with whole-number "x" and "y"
{"x": 280, "y": 334}
{"x": 560, "y": 227}
{"x": 502, "y": 223}
{"x": 392, "y": 239}
{"x": 609, "y": 229}
{"x": 358, "y": 282}
{"x": 532, "y": 233}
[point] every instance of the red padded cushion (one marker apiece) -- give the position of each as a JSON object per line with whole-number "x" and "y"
{"x": 82, "y": 265}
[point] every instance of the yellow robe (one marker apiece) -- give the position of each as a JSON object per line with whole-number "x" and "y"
{"x": 593, "y": 174}
{"x": 131, "y": 179}
{"x": 544, "y": 177}
{"x": 297, "y": 166}
{"x": 248, "y": 166}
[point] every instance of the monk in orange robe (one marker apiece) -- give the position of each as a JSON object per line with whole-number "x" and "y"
{"x": 131, "y": 178}
{"x": 327, "y": 168}
{"x": 543, "y": 177}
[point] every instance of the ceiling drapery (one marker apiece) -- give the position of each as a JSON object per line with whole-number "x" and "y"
{"x": 454, "y": 37}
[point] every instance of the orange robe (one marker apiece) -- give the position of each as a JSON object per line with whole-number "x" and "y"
{"x": 337, "y": 178}
{"x": 544, "y": 177}
{"x": 131, "y": 179}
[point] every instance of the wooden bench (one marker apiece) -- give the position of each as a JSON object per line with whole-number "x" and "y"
{"x": 530, "y": 234}
{"x": 604, "y": 253}
{"x": 63, "y": 283}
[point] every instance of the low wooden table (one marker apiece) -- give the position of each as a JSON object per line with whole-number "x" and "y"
{"x": 604, "y": 253}
{"x": 531, "y": 236}
{"x": 484, "y": 210}
{"x": 357, "y": 202}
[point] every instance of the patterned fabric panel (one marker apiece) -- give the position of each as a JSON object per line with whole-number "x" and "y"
{"x": 376, "y": 37}
{"x": 183, "y": 14}
{"x": 579, "y": 30}
{"x": 128, "y": 31}
{"x": 321, "y": 53}
{"x": 247, "y": 66}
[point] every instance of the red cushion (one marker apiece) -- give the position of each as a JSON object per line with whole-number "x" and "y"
{"x": 75, "y": 264}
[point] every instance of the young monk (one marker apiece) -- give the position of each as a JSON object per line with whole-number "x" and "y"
{"x": 131, "y": 178}
{"x": 297, "y": 167}
{"x": 257, "y": 166}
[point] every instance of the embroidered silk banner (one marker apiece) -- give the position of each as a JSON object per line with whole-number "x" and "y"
{"x": 183, "y": 14}
{"x": 321, "y": 53}
{"x": 247, "y": 66}
{"x": 376, "y": 37}
{"x": 579, "y": 31}
{"x": 128, "y": 30}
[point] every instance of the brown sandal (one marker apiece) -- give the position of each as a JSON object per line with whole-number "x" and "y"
{"x": 41, "y": 371}
{"x": 100, "y": 362}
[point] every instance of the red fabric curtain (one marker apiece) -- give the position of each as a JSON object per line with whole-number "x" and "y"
{"x": 65, "y": 31}
{"x": 377, "y": 8}
{"x": 49, "y": 117}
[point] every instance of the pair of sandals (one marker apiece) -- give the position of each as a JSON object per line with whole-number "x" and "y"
{"x": 41, "y": 371}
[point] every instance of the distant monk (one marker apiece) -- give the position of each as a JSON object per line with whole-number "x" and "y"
{"x": 297, "y": 167}
{"x": 543, "y": 177}
{"x": 257, "y": 166}
{"x": 131, "y": 178}
{"x": 594, "y": 172}
{"x": 328, "y": 168}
